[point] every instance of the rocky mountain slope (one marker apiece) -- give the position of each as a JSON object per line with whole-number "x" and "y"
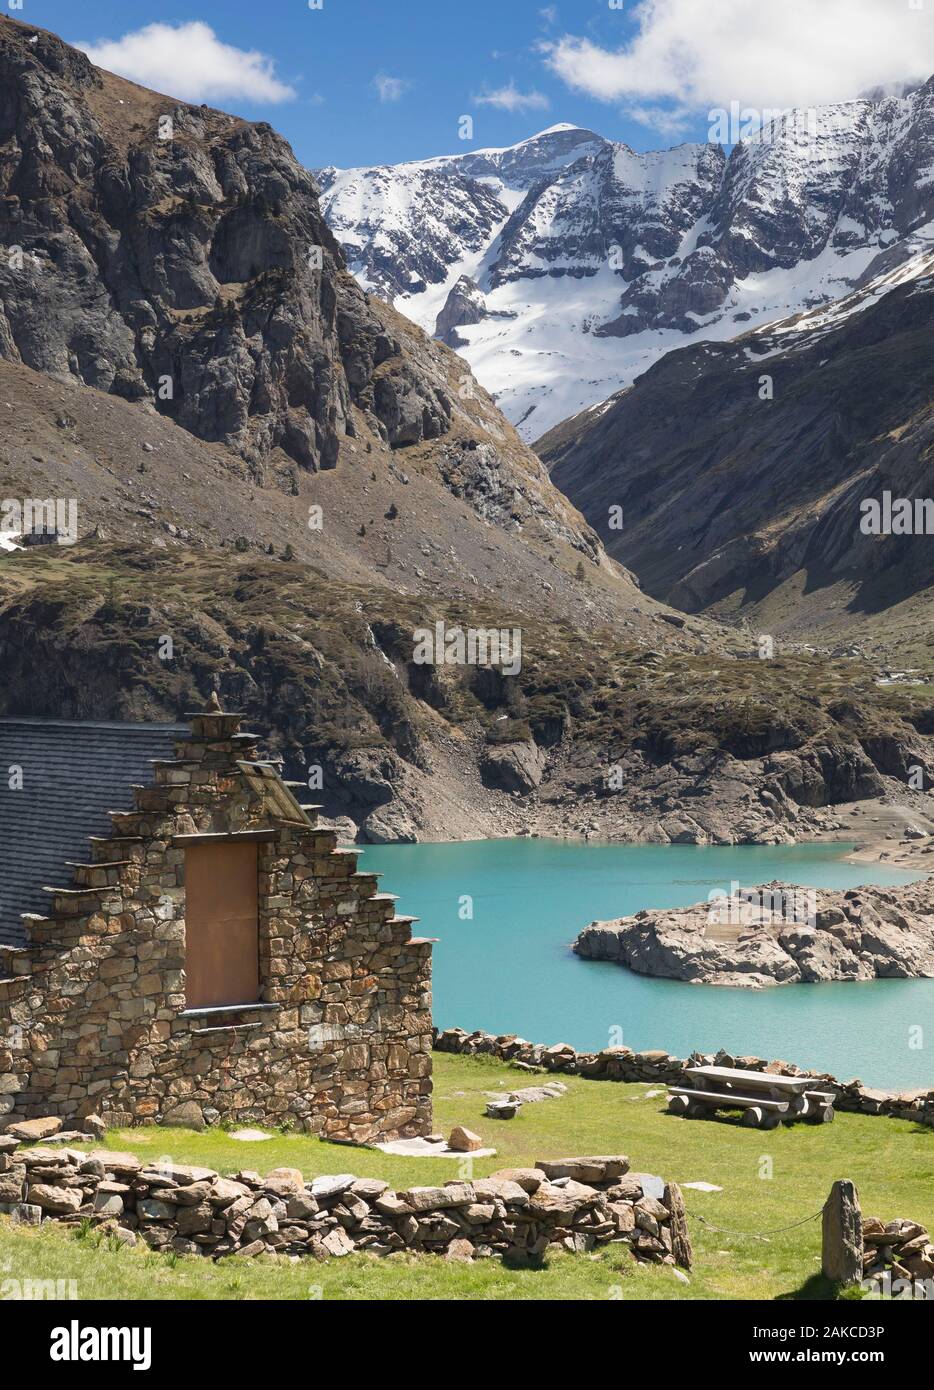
{"x": 744, "y": 470}
{"x": 597, "y": 734}
{"x": 566, "y": 265}
{"x": 193, "y": 277}
{"x": 279, "y": 479}
{"x": 754, "y": 939}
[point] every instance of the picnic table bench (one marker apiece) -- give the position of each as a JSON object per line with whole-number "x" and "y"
{"x": 764, "y": 1098}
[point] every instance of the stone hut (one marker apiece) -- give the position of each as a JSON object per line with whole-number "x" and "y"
{"x": 217, "y": 957}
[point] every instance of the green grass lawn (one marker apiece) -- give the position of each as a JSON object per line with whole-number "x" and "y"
{"x": 769, "y": 1180}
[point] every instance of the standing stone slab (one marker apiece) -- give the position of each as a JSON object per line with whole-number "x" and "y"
{"x": 681, "y": 1247}
{"x": 842, "y": 1235}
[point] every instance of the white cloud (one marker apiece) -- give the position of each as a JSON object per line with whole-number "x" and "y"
{"x": 189, "y": 61}
{"x": 390, "y": 88}
{"x": 668, "y": 121}
{"x": 770, "y": 53}
{"x": 509, "y": 98}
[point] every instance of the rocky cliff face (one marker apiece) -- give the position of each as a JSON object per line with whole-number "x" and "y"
{"x": 404, "y": 226}
{"x": 611, "y": 203}
{"x": 813, "y": 187}
{"x": 749, "y": 495}
{"x": 465, "y": 304}
{"x": 604, "y": 259}
{"x": 175, "y": 255}
{"x": 179, "y": 270}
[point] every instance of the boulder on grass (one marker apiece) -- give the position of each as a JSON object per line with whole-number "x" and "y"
{"x": 503, "y": 1109}
{"x": 460, "y": 1249}
{"x": 842, "y": 1232}
{"x": 464, "y": 1141}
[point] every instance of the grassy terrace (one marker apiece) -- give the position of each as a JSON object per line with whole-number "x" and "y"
{"x": 769, "y": 1180}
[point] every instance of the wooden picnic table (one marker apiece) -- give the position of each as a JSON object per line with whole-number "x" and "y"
{"x": 770, "y": 1084}
{"x": 765, "y": 1098}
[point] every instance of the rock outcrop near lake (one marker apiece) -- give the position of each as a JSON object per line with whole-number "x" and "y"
{"x": 776, "y": 935}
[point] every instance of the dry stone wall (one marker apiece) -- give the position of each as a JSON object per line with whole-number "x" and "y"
{"x": 656, "y": 1066}
{"x": 576, "y": 1203}
{"x": 93, "y": 1014}
{"x": 898, "y": 1250}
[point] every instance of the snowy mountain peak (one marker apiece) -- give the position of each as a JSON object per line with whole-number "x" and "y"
{"x": 563, "y": 266}
{"x": 555, "y": 135}
{"x": 557, "y": 130}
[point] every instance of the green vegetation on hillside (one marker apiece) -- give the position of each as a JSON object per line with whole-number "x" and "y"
{"x": 307, "y": 656}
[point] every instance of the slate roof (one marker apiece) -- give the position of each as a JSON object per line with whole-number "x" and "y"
{"x": 73, "y": 774}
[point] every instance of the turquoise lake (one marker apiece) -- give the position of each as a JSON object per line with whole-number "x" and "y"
{"x": 511, "y": 970}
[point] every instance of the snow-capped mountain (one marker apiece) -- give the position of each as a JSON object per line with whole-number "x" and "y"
{"x": 564, "y": 266}
{"x": 405, "y": 226}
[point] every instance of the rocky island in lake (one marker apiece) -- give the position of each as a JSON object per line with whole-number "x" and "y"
{"x": 776, "y": 935}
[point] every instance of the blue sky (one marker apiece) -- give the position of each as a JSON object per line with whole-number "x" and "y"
{"x": 377, "y": 81}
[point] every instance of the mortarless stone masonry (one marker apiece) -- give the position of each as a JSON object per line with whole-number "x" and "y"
{"x": 575, "y": 1203}
{"x": 93, "y": 1012}
{"x": 661, "y": 1068}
